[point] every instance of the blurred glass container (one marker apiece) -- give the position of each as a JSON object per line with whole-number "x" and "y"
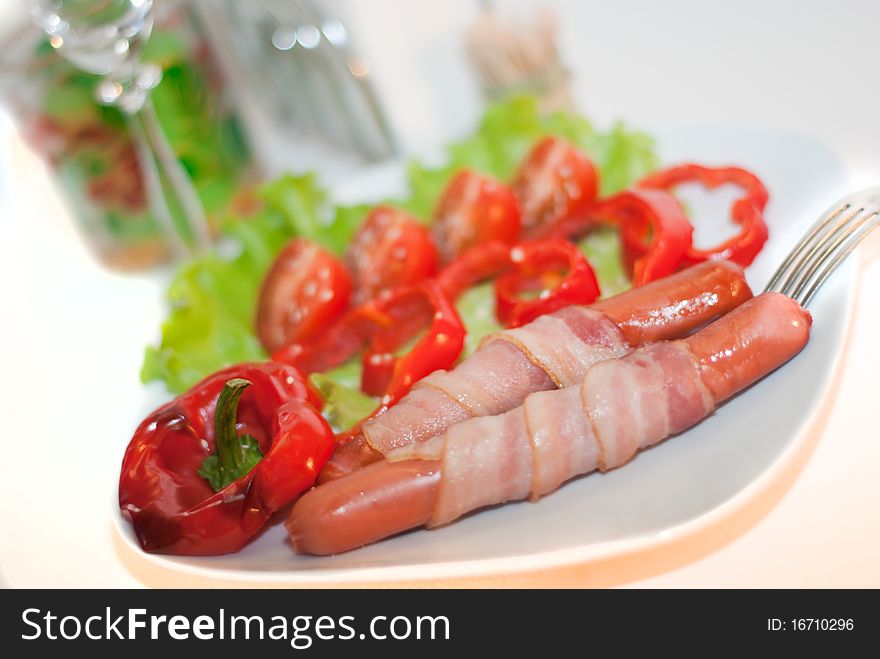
{"x": 90, "y": 151}
{"x": 298, "y": 61}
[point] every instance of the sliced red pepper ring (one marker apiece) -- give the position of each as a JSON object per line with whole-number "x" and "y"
{"x": 655, "y": 231}
{"x": 174, "y": 509}
{"x": 476, "y": 265}
{"x": 410, "y": 309}
{"x": 746, "y": 211}
{"x": 403, "y": 311}
{"x": 383, "y": 326}
{"x": 336, "y": 344}
{"x": 556, "y": 268}
{"x": 392, "y": 377}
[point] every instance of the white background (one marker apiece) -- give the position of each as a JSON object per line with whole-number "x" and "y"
{"x": 809, "y": 67}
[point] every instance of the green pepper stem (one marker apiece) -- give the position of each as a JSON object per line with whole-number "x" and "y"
{"x": 230, "y": 448}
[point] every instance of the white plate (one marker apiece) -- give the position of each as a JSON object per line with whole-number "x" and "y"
{"x": 668, "y": 491}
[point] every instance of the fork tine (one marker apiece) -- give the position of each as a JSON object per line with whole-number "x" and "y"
{"x": 831, "y": 238}
{"x": 826, "y": 245}
{"x": 815, "y": 233}
{"x": 836, "y": 256}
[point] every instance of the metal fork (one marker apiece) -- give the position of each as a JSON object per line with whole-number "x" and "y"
{"x": 825, "y": 246}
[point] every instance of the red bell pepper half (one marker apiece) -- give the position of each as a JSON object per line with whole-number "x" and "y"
{"x": 251, "y": 430}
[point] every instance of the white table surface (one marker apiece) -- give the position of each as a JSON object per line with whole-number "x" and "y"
{"x": 774, "y": 63}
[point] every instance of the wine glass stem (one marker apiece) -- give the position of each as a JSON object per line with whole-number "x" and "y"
{"x": 171, "y": 194}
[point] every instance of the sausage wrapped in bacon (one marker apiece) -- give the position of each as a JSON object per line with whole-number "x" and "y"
{"x": 553, "y": 351}
{"x": 620, "y": 406}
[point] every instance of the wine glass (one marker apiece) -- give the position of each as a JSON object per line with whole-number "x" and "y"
{"x": 106, "y": 37}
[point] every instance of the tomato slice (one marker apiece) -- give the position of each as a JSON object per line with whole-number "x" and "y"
{"x": 306, "y": 289}
{"x": 556, "y": 182}
{"x": 472, "y": 210}
{"x": 389, "y": 249}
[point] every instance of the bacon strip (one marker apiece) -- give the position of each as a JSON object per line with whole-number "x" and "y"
{"x": 482, "y": 384}
{"x": 565, "y": 356}
{"x": 543, "y": 355}
{"x": 620, "y": 406}
{"x": 560, "y": 442}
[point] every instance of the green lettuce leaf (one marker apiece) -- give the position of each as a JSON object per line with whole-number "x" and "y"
{"x": 602, "y": 249}
{"x": 476, "y": 308}
{"x": 509, "y": 129}
{"x": 344, "y": 404}
{"x": 213, "y": 297}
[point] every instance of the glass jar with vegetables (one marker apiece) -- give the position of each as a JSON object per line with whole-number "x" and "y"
{"x": 92, "y": 153}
